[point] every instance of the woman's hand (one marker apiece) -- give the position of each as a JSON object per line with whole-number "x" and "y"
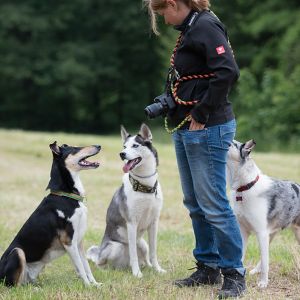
{"x": 195, "y": 125}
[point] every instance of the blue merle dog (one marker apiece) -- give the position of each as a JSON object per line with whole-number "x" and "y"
{"x": 262, "y": 204}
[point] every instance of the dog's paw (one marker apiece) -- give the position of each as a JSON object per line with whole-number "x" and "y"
{"x": 92, "y": 254}
{"x": 262, "y": 284}
{"x": 137, "y": 274}
{"x": 97, "y": 284}
{"x": 160, "y": 270}
{"x": 254, "y": 271}
{"x": 146, "y": 264}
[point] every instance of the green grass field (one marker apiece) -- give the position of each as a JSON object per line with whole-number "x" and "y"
{"x": 24, "y": 173}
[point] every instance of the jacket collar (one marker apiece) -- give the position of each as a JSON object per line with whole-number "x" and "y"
{"x": 188, "y": 21}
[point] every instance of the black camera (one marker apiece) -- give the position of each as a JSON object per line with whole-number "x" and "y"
{"x": 162, "y": 104}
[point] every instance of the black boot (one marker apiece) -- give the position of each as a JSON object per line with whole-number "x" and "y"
{"x": 203, "y": 275}
{"x": 234, "y": 284}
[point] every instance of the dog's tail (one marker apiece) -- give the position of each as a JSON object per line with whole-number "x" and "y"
{"x": 93, "y": 254}
{"x": 12, "y": 267}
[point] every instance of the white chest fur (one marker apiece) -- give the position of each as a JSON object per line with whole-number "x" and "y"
{"x": 142, "y": 208}
{"x": 79, "y": 222}
{"x": 252, "y": 210}
{"x": 77, "y": 183}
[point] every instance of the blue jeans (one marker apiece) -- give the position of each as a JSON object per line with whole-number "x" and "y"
{"x": 201, "y": 158}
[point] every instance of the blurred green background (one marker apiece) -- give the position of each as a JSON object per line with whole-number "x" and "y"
{"x": 89, "y": 65}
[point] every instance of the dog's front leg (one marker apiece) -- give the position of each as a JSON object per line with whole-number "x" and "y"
{"x": 245, "y": 235}
{"x": 73, "y": 252}
{"x": 152, "y": 232}
{"x": 86, "y": 265}
{"x": 263, "y": 240}
{"x": 257, "y": 269}
{"x": 132, "y": 243}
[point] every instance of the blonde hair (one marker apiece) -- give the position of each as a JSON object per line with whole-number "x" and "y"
{"x": 154, "y": 5}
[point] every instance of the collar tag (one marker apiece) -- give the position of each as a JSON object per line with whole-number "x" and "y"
{"x": 239, "y": 198}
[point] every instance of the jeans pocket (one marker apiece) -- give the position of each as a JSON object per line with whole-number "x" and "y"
{"x": 196, "y": 136}
{"x": 227, "y": 133}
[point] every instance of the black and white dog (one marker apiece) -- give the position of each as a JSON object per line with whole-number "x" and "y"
{"x": 134, "y": 209}
{"x": 57, "y": 225}
{"x": 262, "y": 204}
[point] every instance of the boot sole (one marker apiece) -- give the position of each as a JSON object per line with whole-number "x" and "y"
{"x": 194, "y": 284}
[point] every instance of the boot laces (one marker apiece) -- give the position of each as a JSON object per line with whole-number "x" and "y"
{"x": 201, "y": 269}
{"x": 231, "y": 282}
{"x": 196, "y": 273}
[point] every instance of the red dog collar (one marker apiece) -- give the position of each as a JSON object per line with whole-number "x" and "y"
{"x": 246, "y": 188}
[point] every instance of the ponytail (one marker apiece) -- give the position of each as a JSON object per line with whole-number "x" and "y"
{"x": 154, "y": 5}
{"x": 197, "y": 5}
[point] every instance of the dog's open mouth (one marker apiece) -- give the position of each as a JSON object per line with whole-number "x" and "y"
{"x": 131, "y": 164}
{"x": 88, "y": 164}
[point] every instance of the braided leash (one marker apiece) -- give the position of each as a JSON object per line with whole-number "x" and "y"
{"x": 185, "y": 120}
{"x": 175, "y": 85}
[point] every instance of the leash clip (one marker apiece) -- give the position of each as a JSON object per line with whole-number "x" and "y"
{"x": 173, "y": 74}
{"x": 176, "y": 74}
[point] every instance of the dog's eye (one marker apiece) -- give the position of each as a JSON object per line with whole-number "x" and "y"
{"x": 64, "y": 145}
{"x": 135, "y": 145}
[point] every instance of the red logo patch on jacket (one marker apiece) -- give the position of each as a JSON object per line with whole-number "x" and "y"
{"x": 220, "y": 50}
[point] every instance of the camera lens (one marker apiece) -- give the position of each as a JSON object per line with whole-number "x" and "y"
{"x": 154, "y": 110}
{"x": 148, "y": 112}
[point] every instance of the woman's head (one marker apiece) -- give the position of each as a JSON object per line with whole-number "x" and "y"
{"x": 171, "y": 7}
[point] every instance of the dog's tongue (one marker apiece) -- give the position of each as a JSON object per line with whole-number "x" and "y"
{"x": 127, "y": 167}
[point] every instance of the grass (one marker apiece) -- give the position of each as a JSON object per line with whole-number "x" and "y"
{"x": 24, "y": 173}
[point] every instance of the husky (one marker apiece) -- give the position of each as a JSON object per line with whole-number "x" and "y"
{"x": 57, "y": 225}
{"x": 134, "y": 209}
{"x": 262, "y": 204}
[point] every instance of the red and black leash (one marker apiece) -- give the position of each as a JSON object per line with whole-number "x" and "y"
{"x": 175, "y": 85}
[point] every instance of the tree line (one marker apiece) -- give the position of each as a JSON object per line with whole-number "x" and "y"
{"x": 87, "y": 66}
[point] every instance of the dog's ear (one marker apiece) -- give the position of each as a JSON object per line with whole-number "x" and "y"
{"x": 124, "y": 133}
{"x": 145, "y": 133}
{"x": 248, "y": 147}
{"x": 54, "y": 148}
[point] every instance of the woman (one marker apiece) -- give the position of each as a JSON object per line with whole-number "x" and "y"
{"x": 202, "y": 72}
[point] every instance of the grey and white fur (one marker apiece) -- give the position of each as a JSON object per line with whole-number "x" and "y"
{"x": 269, "y": 206}
{"x": 131, "y": 213}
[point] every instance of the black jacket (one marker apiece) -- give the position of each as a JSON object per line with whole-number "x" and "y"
{"x": 204, "y": 49}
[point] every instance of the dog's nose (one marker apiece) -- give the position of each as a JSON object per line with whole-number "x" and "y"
{"x": 97, "y": 146}
{"x": 123, "y": 155}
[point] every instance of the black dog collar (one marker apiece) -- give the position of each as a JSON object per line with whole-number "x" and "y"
{"x": 138, "y": 187}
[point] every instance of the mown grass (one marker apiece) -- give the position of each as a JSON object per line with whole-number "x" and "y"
{"x": 24, "y": 172}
